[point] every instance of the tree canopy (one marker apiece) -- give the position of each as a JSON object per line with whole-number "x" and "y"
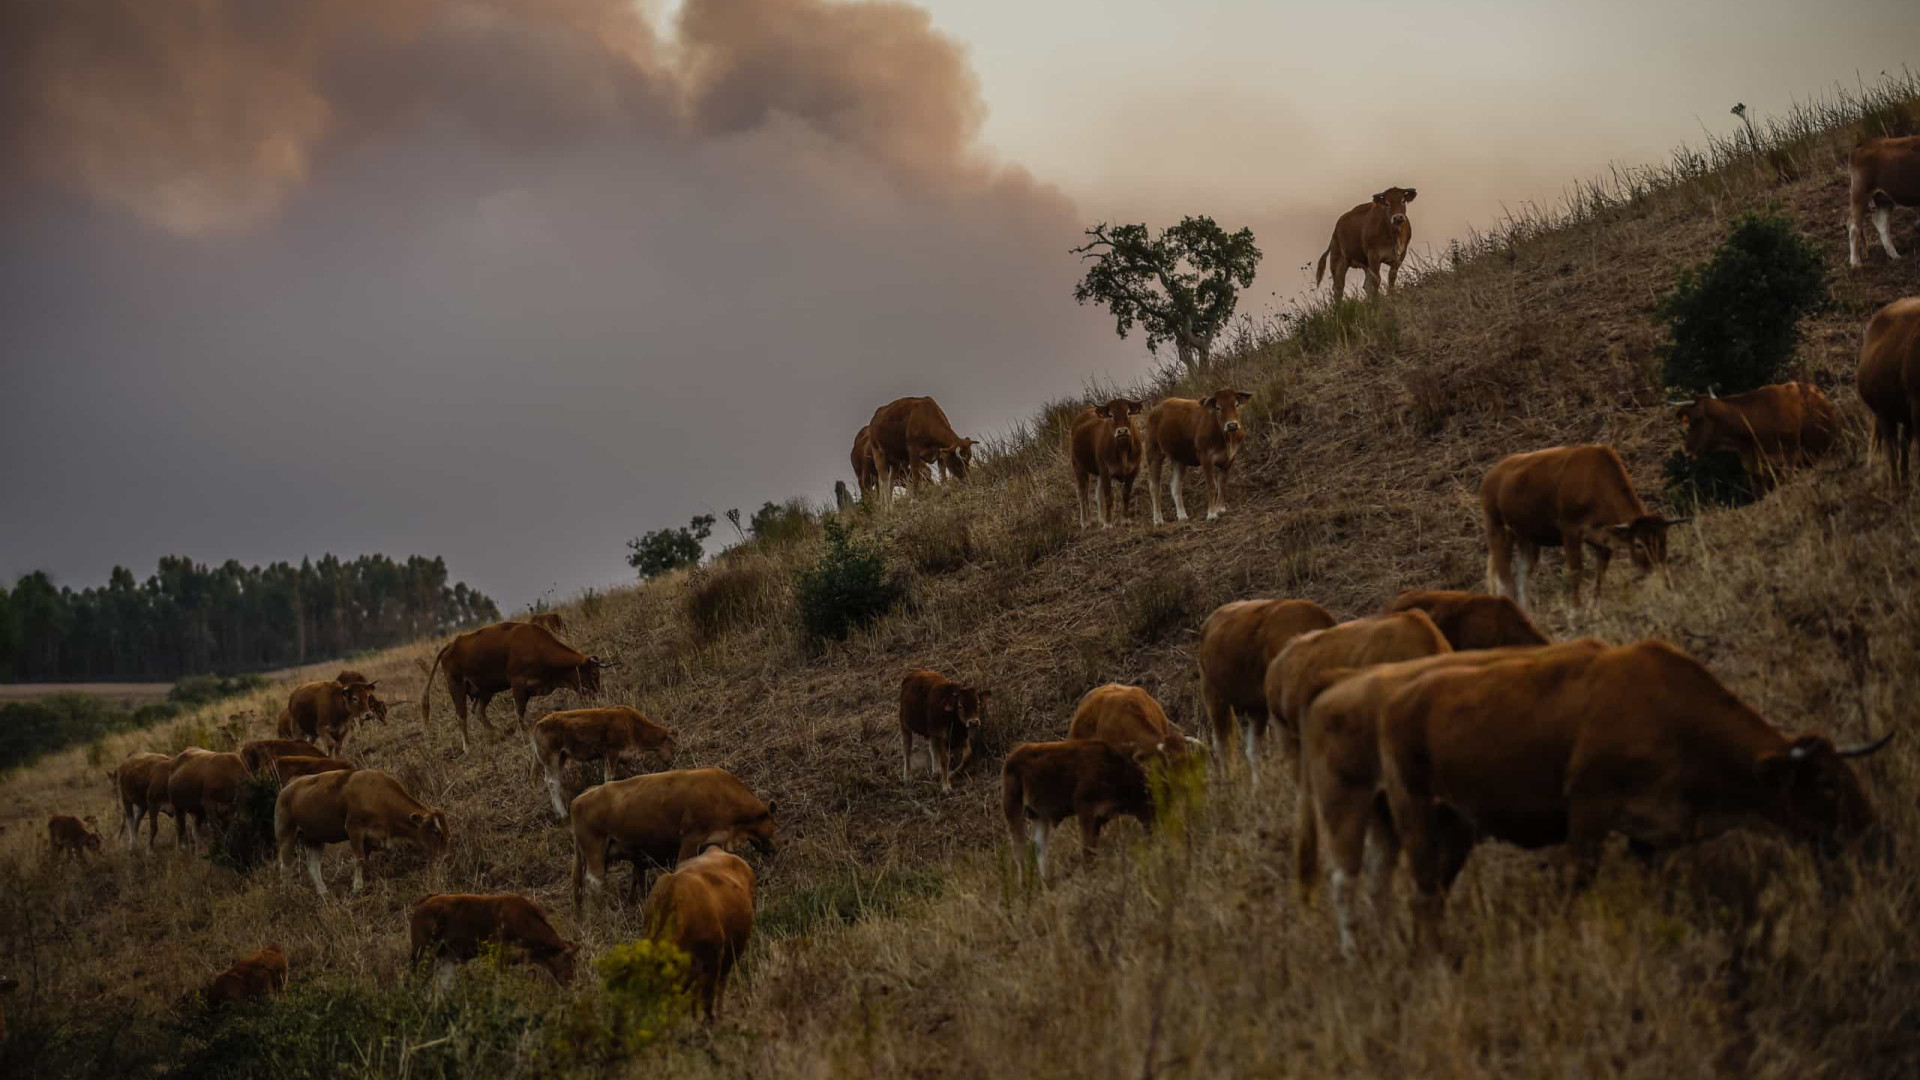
{"x": 1179, "y": 287}
{"x": 669, "y": 549}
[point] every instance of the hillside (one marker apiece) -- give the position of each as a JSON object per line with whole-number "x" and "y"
{"x": 892, "y": 941}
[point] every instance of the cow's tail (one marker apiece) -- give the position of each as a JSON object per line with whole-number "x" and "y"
{"x": 1320, "y": 268}
{"x": 426, "y": 693}
{"x": 1306, "y": 839}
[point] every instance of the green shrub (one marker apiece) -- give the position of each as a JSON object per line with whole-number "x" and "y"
{"x": 663, "y": 550}
{"x": 246, "y": 840}
{"x": 1734, "y": 321}
{"x": 729, "y": 594}
{"x": 647, "y": 988}
{"x": 1714, "y": 480}
{"x": 781, "y": 523}
{"x": 848, "y": 588}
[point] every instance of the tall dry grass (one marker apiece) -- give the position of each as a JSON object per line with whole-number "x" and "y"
{"x": 895, "y": 941}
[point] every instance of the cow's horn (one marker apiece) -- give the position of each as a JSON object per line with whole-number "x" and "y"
{"x": 1864, "y": 749}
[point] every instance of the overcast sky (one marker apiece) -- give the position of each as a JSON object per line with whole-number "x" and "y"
{"x": 512, "y": 282}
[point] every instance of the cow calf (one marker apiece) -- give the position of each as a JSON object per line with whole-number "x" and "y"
{"x": 1043, "y": 784}
{"x": 453, "y": 928}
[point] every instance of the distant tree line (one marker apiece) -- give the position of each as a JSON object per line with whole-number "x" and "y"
{"x": 188, "y": 618}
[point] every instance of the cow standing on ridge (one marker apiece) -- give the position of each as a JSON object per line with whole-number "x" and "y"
{"x": 519, "y": 657}
{"x": 1370, "y": 235}
{"x": 910, "y": 435}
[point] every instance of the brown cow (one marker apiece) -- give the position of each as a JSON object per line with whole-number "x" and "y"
{"x": 203, "y": 786}
{"x": 377, "y": 705}
{"x": 258, "y": 974}
{"x": 519, "y": 657}
{"x": 1237, "y": 644}
{"x": 1103, "y": 449}
{"x": 1882, "y": 173}
{"x": 1568, "y": 747}
{"x": 1373, "y": 233}
{"x": 158, "y": 777}
{"x": 1043, "y": 784}
{"x": 363, "y": 808}
{"x": 453, "y": 928}
{"x": 705, "y": 909}
{"x": 1773, "y": 429}
{"x": 1339, "y": 792}
{"x": 1889, "y": 382}
{"x": 907, "y": 436}
{"x": 260, "y": 753}
{"x": 326, "y": 711}
{"x": 945, "y": 714}
{"x": 609, "y": 735}
{"x": 866, "y": 473}
{"x": 1572, "y": 496}
{"x": 69, "y": 835}
{"x": 1189, "y": 433}
{"x": 662, "y": 819}
{"x": 1471, "y": 620}
{"x": 1128, "y": 718}
{"x": 1295, "y": 675}
{"x": 294, "y": 766}
{"x": 133, "y": 783}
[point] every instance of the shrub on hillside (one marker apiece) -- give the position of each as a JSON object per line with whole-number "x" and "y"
{"x": 1714, "y": 480}
{"x": 663, "y": 550}
{"x": 647, "y": 990}
{"x": 847, "y": 588}
{"x": 729, "y": 594}
{"x": 781, "y": 523}
{"x": 246, "y": 840}
{"x": 1733, "y": 321}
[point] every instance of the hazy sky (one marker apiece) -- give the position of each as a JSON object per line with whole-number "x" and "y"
{"x": 511, "y": 282}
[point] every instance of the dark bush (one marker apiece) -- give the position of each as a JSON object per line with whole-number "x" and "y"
{"x": 849, "y": 587}
{"x": 195, "y": 690}
{"x": 731, "y": 593}
{"x": 1734, "y": 321}
{"x": 781, "y": 523}
{"x": 1714, "y": 480}
{"x": 30, "y": 729}
{"x": 663, "y": 550}
{"x": 246, "y": 840}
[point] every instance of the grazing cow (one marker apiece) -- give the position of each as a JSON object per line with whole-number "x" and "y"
{"x": 1043, "y": 784}
{"x": 1472, "y": 620}
{"x": 1103, "y": 449}
{"x": 294, "y": 766}
{"x": 1339, "y": 792}
{"x": 377, "y": 705}
{"x": 71, "y": 836}
{"x": 1295, "y": 675}
{"x": 662, "y": 819}
{"x": 453, "y": 928}
{"x": 133, "y": 783}
{"x": 1237, "y": 644}
{"x": 866, "y": 472}
{"x": 520, "y": 657}
{"x": 1128, "y": 718}
{"x": 1882, "y": 173}
{"x": 203, "y": 787}
{"x": 326, "y": 711}
{"x": 258, "y": 754}
{"x": 1889, "y": 383}
{"x": 1570, "y": 746}
{"x": 704, "y": 907}
{"x": 1373, "y": 233}
{"x": 609, "y": 735}
{"x": 1773, "y": 429}
{"x": 158, "y": 778}
{"x": 909, "y": 435}
{"x": 1189, "y": 433}
{"x": 945, "y": 714}
{"x": 257, "y": 974}
{"x": 363, "y": 808}
{"x": 1573, "y": 496}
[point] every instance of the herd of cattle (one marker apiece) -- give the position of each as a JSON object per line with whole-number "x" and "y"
{"x": 1446, "y": 720}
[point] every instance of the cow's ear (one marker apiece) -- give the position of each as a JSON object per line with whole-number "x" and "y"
{"x": 1380, "y": 199}
{"x": 1132, "y": 405}
{"x": 1244, "y": 395}
{"x": 373, "y": 684}
{"x": 1102, "y": 410}
{"x": 569, "y": 947}
{"x": 417, "y": 818}
{"x": 1213, "y": 403}
{"x": 1411, "y": 194}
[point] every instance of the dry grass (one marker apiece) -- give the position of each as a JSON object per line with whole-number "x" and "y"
{"x": 896, "y": 943}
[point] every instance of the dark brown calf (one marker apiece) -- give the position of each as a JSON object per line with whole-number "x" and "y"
{"x": 1043, "y": 784}
{"x": 258, "y": 974}
{"x": 1104, "y": 449}
{"x": 452, "y": 928}
{"x": 1472, "y": 620}
{"x": 945, "y": 714}
{"x": 1773, "y": 429}
{"x": 70, "y": 836}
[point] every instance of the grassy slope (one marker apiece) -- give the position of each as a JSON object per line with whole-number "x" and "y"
{"x": 1192, "y": 956}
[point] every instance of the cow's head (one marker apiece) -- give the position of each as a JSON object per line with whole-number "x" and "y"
{"x": 429, "y": 829}
{"x": 1819, "y": 796}
{"x": 1119, "y": 413}
{"x": 1697, "y": 420}
{"x": 958, "y": 458}
{"x": 559, "y": 963}
{"x": 652, "y": 738}
{"x": 1394, "y": 201}
{"x": 961, "y": 708}
{"x": 588, "y": 674}
{"x": 758, "y": 831}
{"x": 1225, "y": 405}
{"x": 358, "y": 697}
{"x": 1645, "y": 539}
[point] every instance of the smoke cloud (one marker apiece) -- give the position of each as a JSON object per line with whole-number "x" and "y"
{"x": 508, "y": 281}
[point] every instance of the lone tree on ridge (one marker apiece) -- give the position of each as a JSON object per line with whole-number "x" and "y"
{"x": 1180, "y": 286}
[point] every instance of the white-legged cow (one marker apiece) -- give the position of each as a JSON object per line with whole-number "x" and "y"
{"x": 365, "y": 809}
{"x": 609, "y": 736}
{"x": 1237, "y": 644}
{"x": 1187, "y": 433}
{"x": 1104, "y": 449}
{"x": 1374, "y": 234}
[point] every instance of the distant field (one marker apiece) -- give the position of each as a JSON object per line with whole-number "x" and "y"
{"x": 132, "y": 693}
